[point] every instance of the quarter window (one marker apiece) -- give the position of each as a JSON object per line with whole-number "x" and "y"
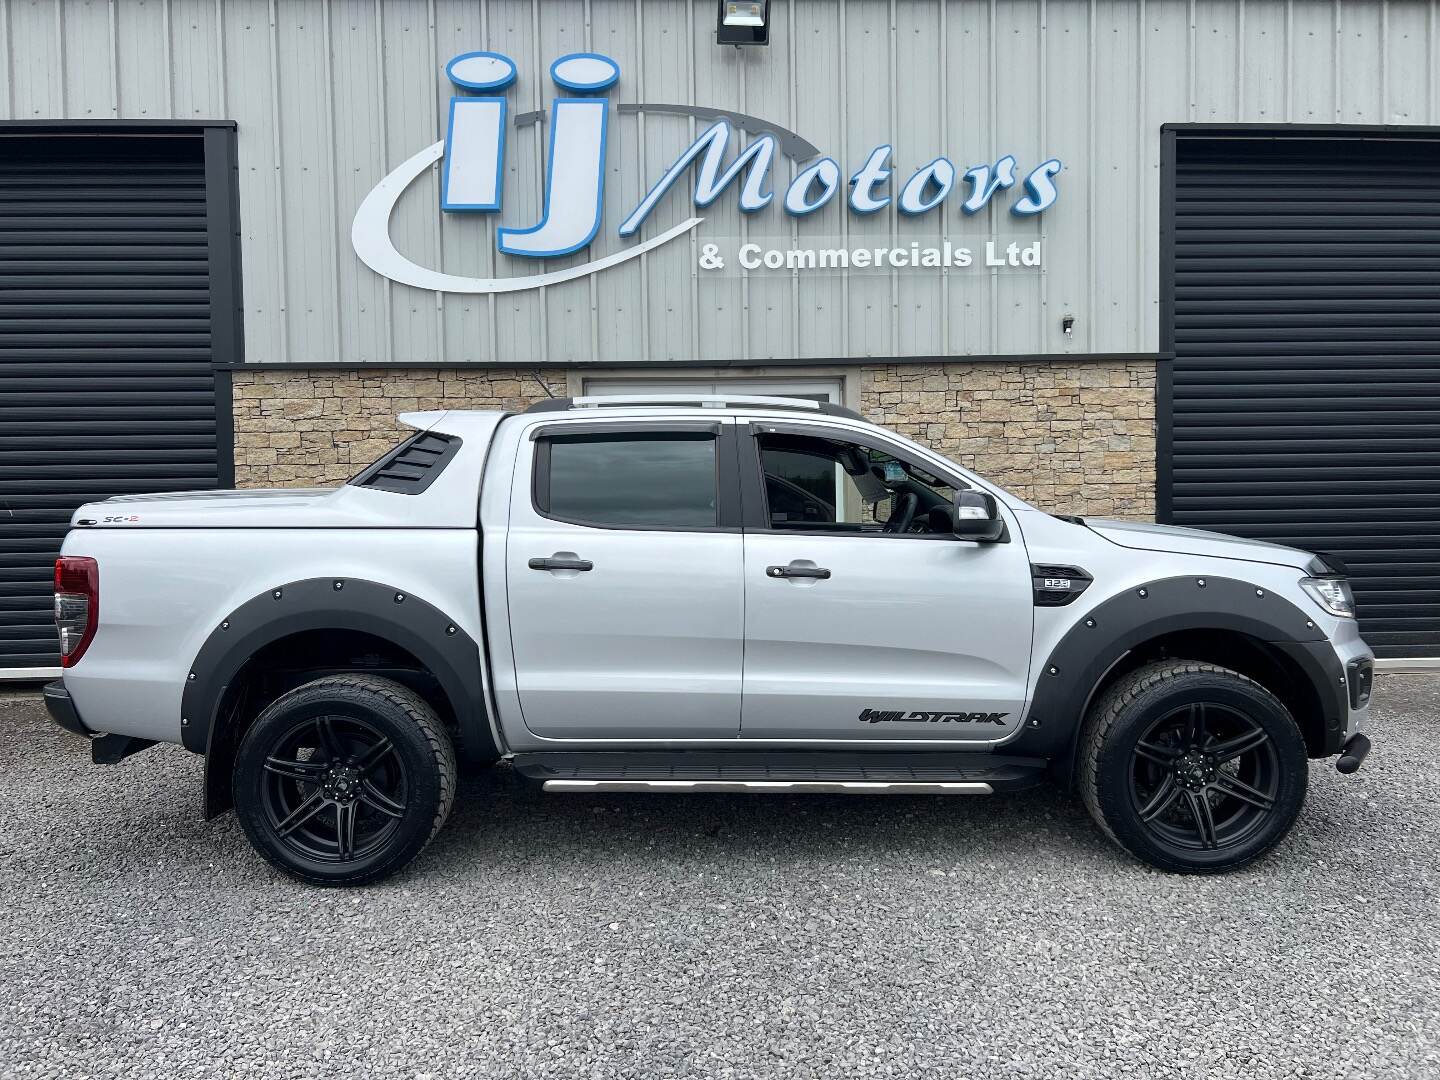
{"x": 662, "y": 480}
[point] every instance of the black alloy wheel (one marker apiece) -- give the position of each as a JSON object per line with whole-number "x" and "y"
{"x": 1204, "y": 776}
{"x": 1192, "y": 767}
{"x": 335, "y": 789}
{"x": 345, "y": 779}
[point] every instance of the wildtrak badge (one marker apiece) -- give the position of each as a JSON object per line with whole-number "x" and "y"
{"x": 918, "y": 716}
{"x": 473, "y": 175}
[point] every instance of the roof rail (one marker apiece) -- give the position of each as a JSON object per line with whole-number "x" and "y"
{"x": 705, "y": 401}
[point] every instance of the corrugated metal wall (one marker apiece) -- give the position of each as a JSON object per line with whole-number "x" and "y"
{"x": 106, "y": 384}
{"x": 1306, "y": 399}
{"x": 332, "y": 94}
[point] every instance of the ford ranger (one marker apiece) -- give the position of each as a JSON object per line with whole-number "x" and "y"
{"x": 696, "y": 594}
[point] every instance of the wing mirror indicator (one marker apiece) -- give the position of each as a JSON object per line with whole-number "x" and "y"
{"x": 977, "y": 517}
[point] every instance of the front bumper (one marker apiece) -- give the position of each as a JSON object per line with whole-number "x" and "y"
{"x": 62, "y": 709}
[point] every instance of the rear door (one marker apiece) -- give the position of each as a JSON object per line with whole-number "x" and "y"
{"x": 908, "y": 635}
{"x": 623, "y": 565}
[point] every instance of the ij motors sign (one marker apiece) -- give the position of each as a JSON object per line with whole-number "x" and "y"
{"x": 473, "y": 166}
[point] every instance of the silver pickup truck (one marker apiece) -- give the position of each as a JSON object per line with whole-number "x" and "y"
{"x": 697, "y": 594}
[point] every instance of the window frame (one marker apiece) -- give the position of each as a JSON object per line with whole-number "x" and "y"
{"x": 727, "y": 484}
{"x": 755, "y": 506}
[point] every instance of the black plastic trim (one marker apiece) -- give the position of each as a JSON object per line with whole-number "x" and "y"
{"x": 62, "y": 709}
{"x": 1107, "y": 633}
{"x": 113, "y": 749}
{"x": 1055, "y": 595}
{"x": 1360, "y": 677}
{"x": 1326, "y": 565}
{"x": 383, "y": 611}
{"x": 384, "y": 475}
{"x": 660, "y": 425}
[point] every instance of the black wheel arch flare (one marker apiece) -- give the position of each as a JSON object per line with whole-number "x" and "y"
{"x": 1106, "y": 634}
{"x": 337, "y": 603}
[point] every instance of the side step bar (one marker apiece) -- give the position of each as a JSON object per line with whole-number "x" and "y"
{"x": 832, "y": 787}
{"x": 944, "y": 772}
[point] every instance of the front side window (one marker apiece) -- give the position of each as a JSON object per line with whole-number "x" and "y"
{"x": 663, "y": 480}
{"x": 828, "y": 485}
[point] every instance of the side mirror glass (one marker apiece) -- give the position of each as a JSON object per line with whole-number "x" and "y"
{"x": 977, "y": 517}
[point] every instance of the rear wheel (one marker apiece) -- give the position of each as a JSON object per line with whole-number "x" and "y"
{"x": 1192, "y": 767}
{"x": 344, "y": 780}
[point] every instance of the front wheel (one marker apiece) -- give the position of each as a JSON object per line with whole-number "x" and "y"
{"x": 1191, "y": 767}
{"x": 344, "y": 780}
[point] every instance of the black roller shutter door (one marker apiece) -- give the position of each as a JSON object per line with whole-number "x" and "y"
{"x": 107, "y": 384}
{"x": 1305, "y": 392}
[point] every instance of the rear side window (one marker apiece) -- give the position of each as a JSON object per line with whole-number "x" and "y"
{"x": 664, "y": 480}
{"x": 412, "y": 466}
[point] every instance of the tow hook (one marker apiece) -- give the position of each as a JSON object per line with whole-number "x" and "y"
{"x": 1353, "y": 753}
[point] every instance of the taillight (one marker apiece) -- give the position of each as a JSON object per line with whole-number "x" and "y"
{"x": 77, "y": 605}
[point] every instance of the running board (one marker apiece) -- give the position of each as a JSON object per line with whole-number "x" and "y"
{"x": 823, "y": 787}
{"x": 832, "y": 771}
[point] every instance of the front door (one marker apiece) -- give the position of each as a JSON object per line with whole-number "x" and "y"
{"x": 623, "y": 564}
{"x": 865, "y": 617}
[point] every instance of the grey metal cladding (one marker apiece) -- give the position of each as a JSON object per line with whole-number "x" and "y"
{"x": 329, "y": 96}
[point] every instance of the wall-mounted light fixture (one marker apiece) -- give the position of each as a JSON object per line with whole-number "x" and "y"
{"x": 743, "y": 22}
{"x": 1067, "y": 325}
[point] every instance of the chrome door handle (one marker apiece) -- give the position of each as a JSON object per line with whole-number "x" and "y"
{"x": 561, "y": 564}
{"x": 793, "y": 571}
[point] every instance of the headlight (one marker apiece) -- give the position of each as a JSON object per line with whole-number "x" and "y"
{"x": 1331, "y": 593}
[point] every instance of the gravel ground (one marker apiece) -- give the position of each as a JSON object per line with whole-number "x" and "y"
{"x": 686, "y": 936}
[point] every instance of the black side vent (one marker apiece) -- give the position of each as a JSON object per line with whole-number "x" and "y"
{"x": 412, "y": 466}
{"x": 1056, "y": 586}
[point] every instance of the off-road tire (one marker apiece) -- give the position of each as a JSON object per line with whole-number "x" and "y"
{"x": 1121, "y": 717}
{"x": 423, "y": 755}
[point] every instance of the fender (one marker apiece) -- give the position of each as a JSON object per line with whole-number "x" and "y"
{"x": 1104, "y": 635}
{"x": 416, "y": 626}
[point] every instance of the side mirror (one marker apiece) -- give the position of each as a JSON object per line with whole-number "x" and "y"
{"x": 977, "y": 517}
